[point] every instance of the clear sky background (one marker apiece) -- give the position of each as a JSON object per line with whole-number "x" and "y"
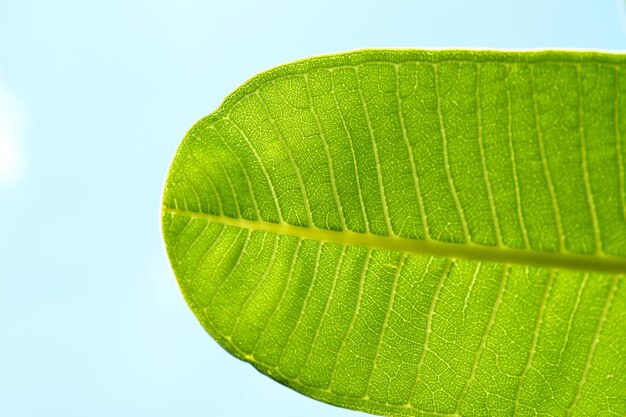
{"x": 94, "y": 99}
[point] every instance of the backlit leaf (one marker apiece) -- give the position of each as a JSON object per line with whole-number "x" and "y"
{"x": 415, "y": 232}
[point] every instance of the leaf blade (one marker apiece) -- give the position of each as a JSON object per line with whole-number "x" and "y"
{"x": 388, "y": 163}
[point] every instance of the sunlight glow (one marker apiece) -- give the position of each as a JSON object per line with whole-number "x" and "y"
{"x": 12, "y": 164}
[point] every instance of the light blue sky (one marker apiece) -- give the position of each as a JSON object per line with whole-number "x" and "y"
{"x": 91, "y": 320}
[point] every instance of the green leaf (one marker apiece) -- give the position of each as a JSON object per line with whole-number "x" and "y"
{"x": 411, "y": 232}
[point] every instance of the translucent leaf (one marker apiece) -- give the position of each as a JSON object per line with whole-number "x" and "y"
{"x": 415, "y": 232}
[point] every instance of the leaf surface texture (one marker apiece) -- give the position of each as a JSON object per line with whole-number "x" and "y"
{"x": 437, "y": 233}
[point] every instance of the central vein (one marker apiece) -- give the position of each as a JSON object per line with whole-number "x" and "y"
{"x": 559, "y": 260}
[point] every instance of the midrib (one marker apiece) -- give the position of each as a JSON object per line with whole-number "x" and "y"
{"x": 559, "y": 260}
